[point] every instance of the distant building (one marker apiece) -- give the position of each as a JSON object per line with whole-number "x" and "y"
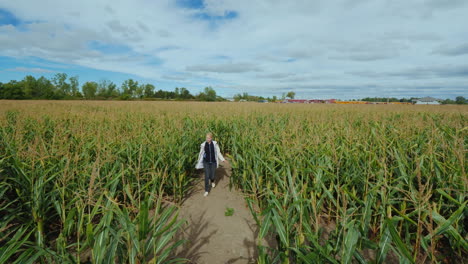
{"x": 295, "y": 101}
{"x": 315, "y": 101}
{"x": 309, "y": 101}
{"x": 427, "y": 100}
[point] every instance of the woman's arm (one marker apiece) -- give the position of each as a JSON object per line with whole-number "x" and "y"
{"x": 220, "y": 156}
{"x": 200, "y": 157}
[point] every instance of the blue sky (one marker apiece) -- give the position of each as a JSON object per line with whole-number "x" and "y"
{"x": 7, "y": 18}
{"x": 319, "y": 49}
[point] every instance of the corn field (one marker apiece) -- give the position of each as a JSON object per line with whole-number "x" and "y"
{"x": 102, "y": 181}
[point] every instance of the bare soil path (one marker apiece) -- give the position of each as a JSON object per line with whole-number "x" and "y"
{"x": 213, "y": 237}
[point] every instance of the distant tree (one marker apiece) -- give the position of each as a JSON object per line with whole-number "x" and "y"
{"x": 447, "y": 101}
{"x": 139, "y": 91}
{"x": 112, "y": 91}
{"x": 220, "y": 98}
{"x": 247, "y": 97}
{"x": 129, "y": 88}
{"x": 210, "y": 94}
{"x": 2, "y": 90}
{"x": 159, "y": 94}
{"x": 74, "y": 86}
{"x": 185, "y": 94}
{"x": 89, "y": 90}
{"x": 60, "y": 82}
{"x": 107, "y": 89}
{"x": 12, "y": 90}
{"x": 291, "y": 95}
{"x": 149, "y": 90}
{"x": 383, "y": 99}
{"x": 45, "y": 89}
{"x": 102, "y": 89}
{"x": 460, "y": 100}
{"x": 29, "y": 85}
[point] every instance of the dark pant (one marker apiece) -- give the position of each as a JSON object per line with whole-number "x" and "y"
{"x": 209, "y": 174}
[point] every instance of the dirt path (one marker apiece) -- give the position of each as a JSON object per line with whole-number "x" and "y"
{"x": 213, "y": 237}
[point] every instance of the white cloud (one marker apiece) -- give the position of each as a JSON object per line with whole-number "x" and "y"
{"x": 32, "y": 70}
{"x": 270, "y": 45}
{"x": 225, "y": 68}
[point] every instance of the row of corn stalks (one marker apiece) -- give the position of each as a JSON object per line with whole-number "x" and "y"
{"x": 355, "y": 186}
{"x": 92, "y": 186}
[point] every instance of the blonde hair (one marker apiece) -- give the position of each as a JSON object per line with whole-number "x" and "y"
{"x": 210, "y": 134}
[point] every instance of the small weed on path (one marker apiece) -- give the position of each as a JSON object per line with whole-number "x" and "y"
{"x": 229, "y": 211}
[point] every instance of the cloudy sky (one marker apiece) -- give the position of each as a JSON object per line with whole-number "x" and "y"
{"x": 319, "y": 49}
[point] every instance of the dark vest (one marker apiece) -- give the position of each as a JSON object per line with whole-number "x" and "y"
{"x": 209, "y": 152}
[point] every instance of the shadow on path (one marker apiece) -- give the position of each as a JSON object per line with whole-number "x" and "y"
{"x": 196, "y": 237}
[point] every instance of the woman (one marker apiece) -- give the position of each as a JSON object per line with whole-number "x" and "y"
{"x": 209, "y": 158}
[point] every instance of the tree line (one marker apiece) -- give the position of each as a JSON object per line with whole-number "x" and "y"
{"x": 62, "y": 86}
{"x": 458, "y": 100}
{"x": 249, "y": 97}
